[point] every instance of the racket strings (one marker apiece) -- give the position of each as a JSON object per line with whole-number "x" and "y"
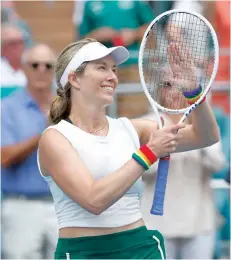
{"x": 193, "y": 37}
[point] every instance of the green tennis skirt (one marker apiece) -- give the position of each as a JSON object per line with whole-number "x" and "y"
{"x": 138, "y": 243}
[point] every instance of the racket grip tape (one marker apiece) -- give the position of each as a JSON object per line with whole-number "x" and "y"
{"x": 161, "y": 182}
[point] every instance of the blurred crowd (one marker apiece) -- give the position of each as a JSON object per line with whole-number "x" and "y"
{"x": 196, "y": 224}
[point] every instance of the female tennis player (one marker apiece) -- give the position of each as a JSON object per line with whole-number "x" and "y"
{"x": 94, "y": 163}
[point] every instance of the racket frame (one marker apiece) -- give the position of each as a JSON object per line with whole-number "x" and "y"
{"x": 155, "y": 106}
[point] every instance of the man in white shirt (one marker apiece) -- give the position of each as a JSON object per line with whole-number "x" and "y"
{"x": 12, "y": 48}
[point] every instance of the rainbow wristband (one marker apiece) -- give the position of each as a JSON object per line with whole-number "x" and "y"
{"x": 148, "y": 153}
{"x": 145, "y": 157}
{"x": 203, "y": 100}
{"x": 194, "y": 95}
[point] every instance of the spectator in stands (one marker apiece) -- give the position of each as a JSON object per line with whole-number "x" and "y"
{"x": 100, "y": 21}
{"x": 10, "y": 15}
{"x": 188, "y": 224}
{"x": 28, "y": 218}
{"x": 12, "y": 75}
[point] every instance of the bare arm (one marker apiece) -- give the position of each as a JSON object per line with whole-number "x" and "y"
{"x": 16, "y": 153}
{"x": 63, "y": 163}
{"x": 201, "y": 133}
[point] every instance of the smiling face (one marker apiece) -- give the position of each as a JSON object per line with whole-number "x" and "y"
{"x": 97, "y": 82}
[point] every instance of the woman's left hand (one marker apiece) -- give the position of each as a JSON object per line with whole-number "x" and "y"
{"x": 184, "y": 74}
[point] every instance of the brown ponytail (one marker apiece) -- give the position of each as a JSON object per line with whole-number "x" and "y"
{"x": 61, "y": 106}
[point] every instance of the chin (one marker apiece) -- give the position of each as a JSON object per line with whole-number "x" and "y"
{"x": 108, "y": 101}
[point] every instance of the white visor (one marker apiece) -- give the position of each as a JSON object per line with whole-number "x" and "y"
{"x": 93, "y": 51}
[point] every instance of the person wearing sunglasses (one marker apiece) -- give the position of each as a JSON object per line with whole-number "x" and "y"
{"x": 28, "y": 217}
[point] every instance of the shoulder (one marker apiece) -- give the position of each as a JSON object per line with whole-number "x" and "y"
{"x": 16, "y": 96}
{"x": 53, "y": 149}
{"x": 52, "y": 140}
{"x": 52, "y": 133}
{"x": 4, "y": 63}
{"x": 144, "y": 127}
{"x": 141, "y": 124}
{"x": 11, "y": 102}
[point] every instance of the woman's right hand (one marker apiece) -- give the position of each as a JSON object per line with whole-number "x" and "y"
{"x": 164, "y": 141}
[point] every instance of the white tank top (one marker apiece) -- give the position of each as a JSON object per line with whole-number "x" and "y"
{"x": 102, "y": 156}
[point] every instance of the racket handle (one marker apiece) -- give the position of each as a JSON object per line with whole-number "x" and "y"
{"x": 161, "y": 181}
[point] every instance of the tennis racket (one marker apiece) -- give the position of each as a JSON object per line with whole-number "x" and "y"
{"x": 179, "y": 51}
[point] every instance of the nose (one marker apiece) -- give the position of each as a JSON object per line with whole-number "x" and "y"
{"x": 42, "y": 68}
{"x": 112, "y": 76}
